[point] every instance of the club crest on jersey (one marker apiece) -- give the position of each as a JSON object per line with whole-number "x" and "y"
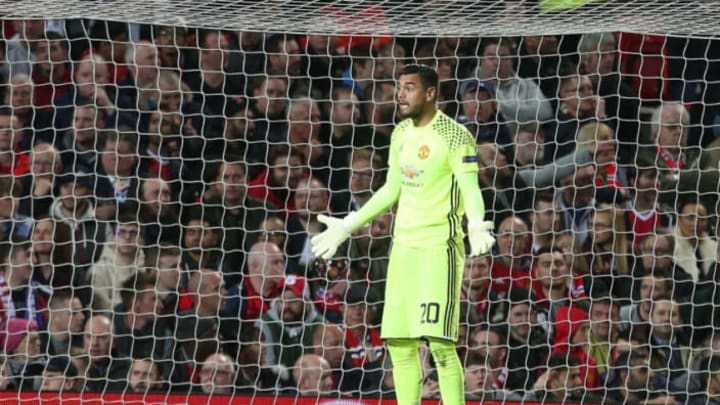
{"x": 423, "y": 152}
{"x": 411, "y": 172}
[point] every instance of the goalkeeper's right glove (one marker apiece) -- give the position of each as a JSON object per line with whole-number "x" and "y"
{"x": 326, "y": 243}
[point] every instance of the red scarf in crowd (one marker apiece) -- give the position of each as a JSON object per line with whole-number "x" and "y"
{"x": 356, "y": 348}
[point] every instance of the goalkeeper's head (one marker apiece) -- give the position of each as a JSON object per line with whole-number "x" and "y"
{"x": 417, "y": 91}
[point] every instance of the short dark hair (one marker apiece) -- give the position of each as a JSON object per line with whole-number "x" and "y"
{"x": 428, "y": 76}
{"x": 625, "y": 360}
{"x": 562, "y": 362}
{"x": 134, "y": 286}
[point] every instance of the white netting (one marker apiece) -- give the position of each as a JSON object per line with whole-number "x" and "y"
{"x": 161, "y": 180}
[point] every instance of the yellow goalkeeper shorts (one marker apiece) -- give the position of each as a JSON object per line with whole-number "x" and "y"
{"x": 422, "y": 294}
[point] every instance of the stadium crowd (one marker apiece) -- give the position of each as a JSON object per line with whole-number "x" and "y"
{"x": 160, "y": 184}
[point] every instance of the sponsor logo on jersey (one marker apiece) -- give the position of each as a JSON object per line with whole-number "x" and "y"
{"x": 411, "y": 172}
{"x": 423, "y": 152}
{"x": 470, "y": 159}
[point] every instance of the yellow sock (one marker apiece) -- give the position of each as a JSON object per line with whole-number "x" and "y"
{"x": 407, "y": 371}
{"x": 450, "y": 372}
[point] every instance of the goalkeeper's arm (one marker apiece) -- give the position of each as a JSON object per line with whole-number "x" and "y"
{"x": 481, "y": 241}
{"x": 325, "y": 244}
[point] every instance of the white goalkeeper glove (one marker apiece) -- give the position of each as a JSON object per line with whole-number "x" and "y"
{"x": 481, "y": 240}
{"x": 326, "y": 243}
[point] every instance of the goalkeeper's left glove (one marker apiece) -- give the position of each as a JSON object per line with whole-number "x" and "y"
{"x": 481, "y": 240}
{"x": 326, "y": 243}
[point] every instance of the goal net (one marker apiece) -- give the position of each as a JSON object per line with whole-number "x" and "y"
{"x": 163, "y": 165}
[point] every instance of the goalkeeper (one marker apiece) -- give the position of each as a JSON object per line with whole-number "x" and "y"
{"x": 433, "y": 178}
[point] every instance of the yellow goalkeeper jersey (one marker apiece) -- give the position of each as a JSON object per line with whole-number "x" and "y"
{"x": 428, "y": 158}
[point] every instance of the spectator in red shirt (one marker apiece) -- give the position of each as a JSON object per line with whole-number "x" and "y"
{"x": 277, "y": 183}
{"x": 12, "y": 159}
{"x": 571, "y": 328}
{"x": 511, "y": 267}
{"x": 51, "y": 70}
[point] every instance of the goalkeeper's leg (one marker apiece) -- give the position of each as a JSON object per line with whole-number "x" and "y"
{"x": 407, "y": 371}
{"x": 450, "y": 371}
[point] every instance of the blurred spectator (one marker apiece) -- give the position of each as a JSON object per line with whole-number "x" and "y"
{"x": 289, "y": 326}
{"x": 562, "y": 382}
{"x": 540, "y": 56}
{"x": 644, "y": 212}
{"x": 520, "y": 99}
{"x": 328, "y": 343}
{"x": 311, "y": 198}
{"x": 110, "y": 40}
{"x": 492, "y": 341}
{"x": 172, "y": 45}
{"x": 138, "y": 325}
{"x": 60, "y": 375}
{"x": 218, "y": 82}
{"x": 369, "y": 253}
{"x": 199, "y": 240}
{"x": 75, "y": 207}
{"x": 218, "y": 374}
{"x": 655, "y": 254}
{"x": 269, "y": 103}
{"x": 13, "y": 225}
{"x": 158, "y": 212}
{"x": 107, "y": 371}
{"x": 80, "y": 144}
{"x": 136, "y": 94}
{"x": 527, "y": 343}
{"x": 272, "y": 229}
{"x": 117, "y": 181}
{"x": 607, "y": 252}
{"x": 635, "y": 317}
{"x": 380, "y": 113}
{"x": 313, "y": 376}
{"x": 199, "y": 330}
{"x": 546, "y": 219}
{"x": 604, "y": 326}
{"x": 171, "y": 285}
{"x": 240, "y": 213}
{"x": 283, "y": 56}
{"x": 571, "y": 330}
{"x": 481, "y": 373}
{"x": 669, "y": 130}
{"x": 145, "y": 376}
{"x": 19, "y": 48}
{"x": 575, "y": 197}
{"x": 22, "y": 297}
{"x": 367, "y": 169}
{"x": 12, "y": 159}
{"x": 599, "y": 138}
{"x": 554, "y": 285}
{"x": 38, "y": 186}
{"x": 484, "y": 303}
{"x": 277, "y": 183}
{"x": 511, "y": 257}
{"x": 598, "y": 60}
{"x": 529, "y": 145}
{"x": 91, "y": 77}
{"x": 66, "y": 323}
{"x": 711, "y": 394}
{"x": 631, "y": 381}
{"x": 36, "y": 124}
{"x": 365, "y": 351}
{"x": 669, "y": 353}
{"x": 51, "y": 69}
{"x": 252, "y": 376}
{"x": 304, "y": 135}
{"x": 261, "y": 284}
{"x": 695, "y": 251}
{"x": 121, "y": 258}
{"x": 52, "y": 253}
{"x": 480, "y": 112}
{"x": 21, "y": 346}
{"x": 578, "y": 106}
